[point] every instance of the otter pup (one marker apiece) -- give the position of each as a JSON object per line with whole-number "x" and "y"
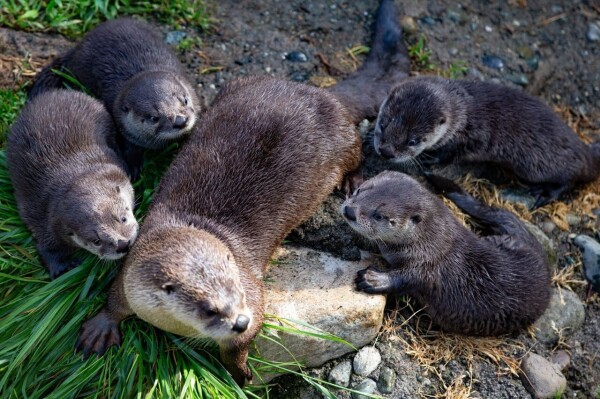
{"x": 445, "y": 120}
{"x": 490, "y": 285}
{"x": 266, "y": 154}
{"x": 125, "y": 64}
{"x": 71, "y": 187}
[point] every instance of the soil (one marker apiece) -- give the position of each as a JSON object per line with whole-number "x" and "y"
{"x": 539, "y": 45}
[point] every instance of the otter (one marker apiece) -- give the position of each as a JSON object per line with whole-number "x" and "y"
{"x": 71, "y": 187}
{"x": 490, "y": 285}
{"x": 125, "y": 64}
{"x": 264, "y": 157}
{"x": 444, "y": 120}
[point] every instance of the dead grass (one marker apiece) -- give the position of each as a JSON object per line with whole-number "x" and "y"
{"x": 433, "y": 350}
{"x": 14, "y": 71}
{"x": 566, "y": 277}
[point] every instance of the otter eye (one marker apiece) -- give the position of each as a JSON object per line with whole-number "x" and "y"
{"x": 185, "y": 101}
{"x": 96, "y": 242}
{"x": 416, "y": 219}
{"x": 442, "y": 120}
{"x": 154, "y": 119}
{"x": 211, "y": 312}
{"x": 125, "y": 108}
{"x": 412, "y": 142}
{"x": 123, "y": 219}
{"x": 169, "y": 288}
{"x": 377, "y": 216}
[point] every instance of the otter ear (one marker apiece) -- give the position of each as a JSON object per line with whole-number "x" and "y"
{"x": 392, "y": 222}
{"x": 118, "y": 189}
{"x": 124, "y": 108}
{"x": 416, "y": 219}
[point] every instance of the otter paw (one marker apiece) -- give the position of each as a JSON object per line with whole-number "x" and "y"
{"x": 97, "y": 335}
{"x": 57, "y": 269}
{"x": 372, "y": 281}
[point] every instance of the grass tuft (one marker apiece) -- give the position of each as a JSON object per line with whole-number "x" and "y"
{"x": 11, "y": 102}
{"x": 74, "y": 18}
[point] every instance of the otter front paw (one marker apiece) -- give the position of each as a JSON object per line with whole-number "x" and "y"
{"x": 373, "y": 281}
{"x": 98, "y": 334}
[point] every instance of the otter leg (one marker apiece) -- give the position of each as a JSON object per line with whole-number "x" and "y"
{"x": 102, "y": 331}
{"x": 235, "y": 361}
{"x": 374, "y": 281}
{"x": 57, "y": 259}
{"x": 548, "y": 192}
{"x": 352, "y": 181}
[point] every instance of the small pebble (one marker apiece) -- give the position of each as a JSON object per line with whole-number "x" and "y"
{"x": 367, "y": 386}
{"x": 561, "y": 359}
{"x": 525, "y": 52}
{"x": 366, "y": 361}
{"x": 520, "y": 80}
{"x": 174, "y": 37}
{"x": 299, "y": 77}
{"x": 590, "y": 249}
{"x": 593, "y": 33}
{"x": 548, "y": 227}
{"x": 533, "y": 63}
{"x": 541, "y": 378}
{"x": 408, "y": 24}
{"x": 453, "y": 51}
{"x": 341, "y": 373}
{"x": 296, "y": 56}
{"x": 492, "y": 61}
{"x": 573, "y": 220}
{"x": 387, "y": 378}
{"x": 488, "y": 28}
{"x": 427, "y": 20}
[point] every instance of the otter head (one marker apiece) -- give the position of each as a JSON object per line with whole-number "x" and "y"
{"x": 154, "y": 108}
{"x": 418, "y": 115}
{"x": 389, "y": 208}
{"x": 186, "y": 281}
{"x": 97, "y": 214}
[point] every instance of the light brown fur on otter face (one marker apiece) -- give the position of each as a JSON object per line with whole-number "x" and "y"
{"x": 189, "y": 285}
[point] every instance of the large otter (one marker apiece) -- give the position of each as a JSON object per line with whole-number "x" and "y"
{"x": 484, "y": 122}
{"x": 266, "y": 154}
{"x": 127, "y": 66}
{"x": 488, "y": 285}
{"x": 71, "y": 187}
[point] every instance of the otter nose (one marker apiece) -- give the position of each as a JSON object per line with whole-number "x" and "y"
{"x": 386, "y": 152}
{"x": 241, "y": 323}
{"x": 349, "y": 213}
{"x": 180, "y": 121}
{"x": 122, "y": 246}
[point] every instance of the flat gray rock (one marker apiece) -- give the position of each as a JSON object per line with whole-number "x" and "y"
{"x": 366, "y": 361}
{"x": 310, "y": 288}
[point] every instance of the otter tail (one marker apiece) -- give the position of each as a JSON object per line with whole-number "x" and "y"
{"x": 498, "y": 221}
{"x": 47, "y": 80}
{"x": 387, "y": 64}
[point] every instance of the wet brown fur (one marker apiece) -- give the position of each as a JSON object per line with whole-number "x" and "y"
{"x": 67, "y": 176}
{"x": 490, "y": 285}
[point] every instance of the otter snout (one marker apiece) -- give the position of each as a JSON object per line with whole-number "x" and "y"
{"x": 349, "y": 213}
{"x": 386, "y": 151}
{"x": 180, "y": 122}
{"x": 241, "y": 324}
{"x": 122, "y": 246}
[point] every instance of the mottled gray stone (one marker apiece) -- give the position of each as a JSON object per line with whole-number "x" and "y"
{"x": 564, "y": 316}
{"x": 341, "y": 373}
{"x": 367, "y": 386}
{"x": 541, "y": 378}
{"x": 366, "y": 361}
{"x": 546, "y": 242}
{"x": 387, "y": 378}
